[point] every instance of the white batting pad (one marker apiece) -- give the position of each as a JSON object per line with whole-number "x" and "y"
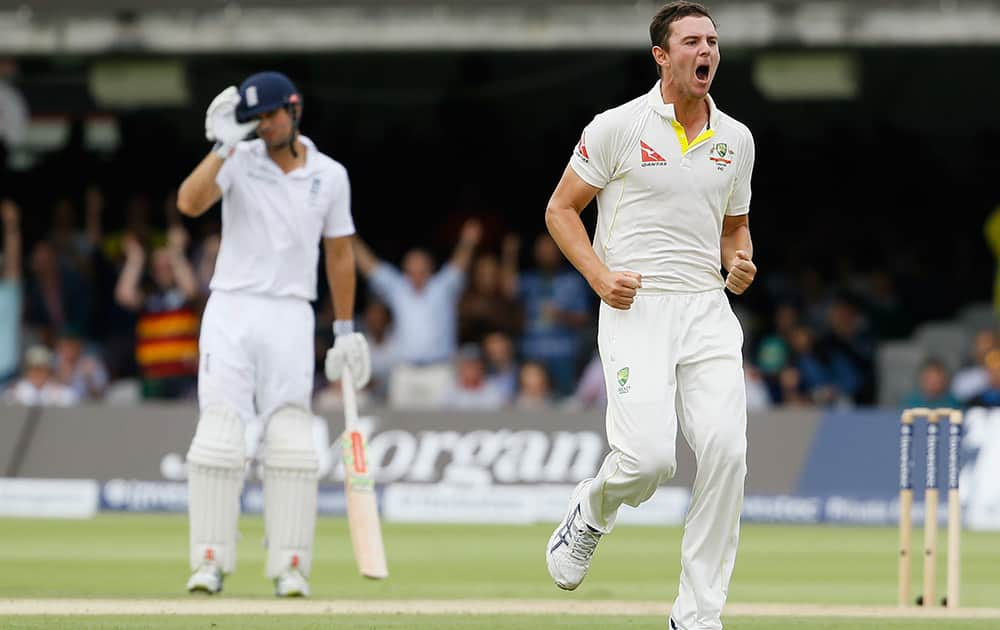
{"x": 215, "y": 480}
{"x": 290, "y": 486}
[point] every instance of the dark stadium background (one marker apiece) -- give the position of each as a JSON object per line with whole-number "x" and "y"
{"x": 901, "y": 177}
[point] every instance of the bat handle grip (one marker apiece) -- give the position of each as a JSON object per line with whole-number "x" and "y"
{"x": 350, "y": 400}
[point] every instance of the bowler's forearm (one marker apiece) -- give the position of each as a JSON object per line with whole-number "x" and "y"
{"x": 570, "y": 235}
{"x": 737, "y": 239}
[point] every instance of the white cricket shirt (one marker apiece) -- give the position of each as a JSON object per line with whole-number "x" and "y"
{"x": 272, "y": 222}
{"x": 662, "y": 199}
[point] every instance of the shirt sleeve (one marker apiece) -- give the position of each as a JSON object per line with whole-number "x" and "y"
{"x": 739, "y": 198}
{"x": 595, "y": 157}
{"x": 386, "y": 282}
{"x": 338, "y": 220}
{"x": 450, "y": 281}
{"x": 227, "y": 174}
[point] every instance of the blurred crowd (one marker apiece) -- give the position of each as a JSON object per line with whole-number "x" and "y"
{"x": 91, "y": 312}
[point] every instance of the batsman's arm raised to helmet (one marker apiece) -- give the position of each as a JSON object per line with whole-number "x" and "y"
{"x": 562, "y": 217}
{"x": 199, "y": 191}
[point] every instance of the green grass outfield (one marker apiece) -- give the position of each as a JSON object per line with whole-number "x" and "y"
{"x": 134, "y": 558}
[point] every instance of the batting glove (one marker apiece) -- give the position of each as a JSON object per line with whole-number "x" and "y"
{"x": 349, "y": 352}
{"x": 220, "y": 122}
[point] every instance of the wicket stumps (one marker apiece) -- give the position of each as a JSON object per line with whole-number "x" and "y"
{"x": 933, "y": 418}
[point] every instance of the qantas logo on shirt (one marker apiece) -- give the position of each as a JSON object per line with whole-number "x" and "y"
{"x": 649, "y": 155}
{"x": 581, "y": 148}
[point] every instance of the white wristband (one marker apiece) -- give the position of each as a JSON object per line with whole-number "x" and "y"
{"x": 343, "y": 327}
{"x": 222, "y": 150}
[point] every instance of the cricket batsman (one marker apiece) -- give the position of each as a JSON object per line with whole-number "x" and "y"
{"x": 281, "y": 197}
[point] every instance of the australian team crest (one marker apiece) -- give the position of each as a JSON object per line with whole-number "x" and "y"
{"x": 721, "y": 155}
{"x": 623, "y": 386}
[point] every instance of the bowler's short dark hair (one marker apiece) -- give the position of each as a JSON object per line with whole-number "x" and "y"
{"x": 659, "y": 28}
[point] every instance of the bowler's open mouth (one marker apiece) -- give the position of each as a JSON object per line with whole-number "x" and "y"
{"x": 702, "y": 72}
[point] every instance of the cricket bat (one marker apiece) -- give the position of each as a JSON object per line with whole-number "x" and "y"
{"x": 359, "y": 490}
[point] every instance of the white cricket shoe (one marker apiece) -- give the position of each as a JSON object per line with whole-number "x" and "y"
{"x": 291, "y": 583}
{"x": 206, "y": 579}
{"x": 571, "y": 545}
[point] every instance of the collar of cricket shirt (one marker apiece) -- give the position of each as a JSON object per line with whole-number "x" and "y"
{"x": 308, "y": 169}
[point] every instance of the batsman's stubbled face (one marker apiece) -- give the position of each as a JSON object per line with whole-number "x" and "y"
{"x": 275, "y": 127}
{"x": 693, "y": 51}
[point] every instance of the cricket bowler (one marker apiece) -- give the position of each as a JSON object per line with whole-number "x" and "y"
{"x": 671, "y": 174}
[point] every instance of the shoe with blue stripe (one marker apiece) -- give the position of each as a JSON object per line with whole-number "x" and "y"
{"x": 572, "y": 545}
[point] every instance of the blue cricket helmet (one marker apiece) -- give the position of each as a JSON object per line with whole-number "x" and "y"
{"x": 265, "y": 92}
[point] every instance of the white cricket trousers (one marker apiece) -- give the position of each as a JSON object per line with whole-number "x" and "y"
{"x": 669, "y": 359}
{"x": 257, "y": 353}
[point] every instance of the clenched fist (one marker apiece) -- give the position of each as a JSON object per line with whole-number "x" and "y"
{"x": 741, "y": 272}
{"x": 618, "y": 288}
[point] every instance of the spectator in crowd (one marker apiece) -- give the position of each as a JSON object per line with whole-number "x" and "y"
{"x": 758, "y": 393}
{"x": 485, "y": 305}
{"x": 424, "y": 312}
{"x": 57, "y": 295}
{"x": 774, "y": 349}
{"x": 791, "y": 391}
{"x": 376, "y": 324}
{"x": 989, "y": 397}
{"x": 470, "y": 389}
{"x": 884, "y": 308}
{"x": 501, "y": 363}
{"x": 534, "y": 389}
{"x": 39, "y": 385}
{"x": 815, "y": 294}
{"x": 973, "y": 378}
{"x": 137, "y": 227}
{"x": 557, "y": 305}
{"x": 80, "y": 369}
{"x": 10, "y": 290}
{"x": 848, "y": 348}
{"x": 933, "y": 387}
{"x": 812, "y": 371}
{"x": 114, "y": 326}
{"x": 167, "y": 326}
{"x": 74, "y": 245}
